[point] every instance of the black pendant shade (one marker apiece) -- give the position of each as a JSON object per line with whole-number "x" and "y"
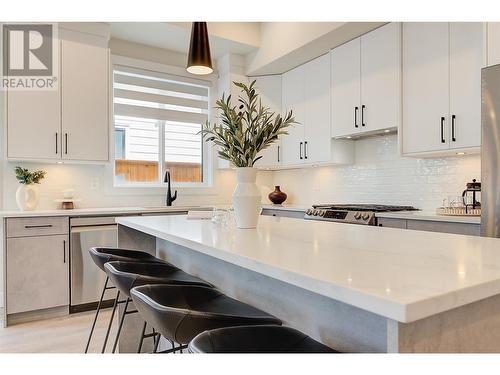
{"x": 199, "y": 59}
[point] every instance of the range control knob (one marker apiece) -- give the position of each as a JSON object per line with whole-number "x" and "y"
{"x": 321, "y": 213}
{"x": 315, "y": 212}
{"x": 357, "y": 216}
{"x": 309, "y": 212}
{"x": 365, "y": 216}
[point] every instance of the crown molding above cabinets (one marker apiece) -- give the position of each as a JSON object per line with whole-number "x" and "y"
{"x": 442, "y": 88}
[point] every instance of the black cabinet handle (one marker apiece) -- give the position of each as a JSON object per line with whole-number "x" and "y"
{"x": 38, "y": 226}
{"x": 305, "y": 150}
{"x": 453, "y": 128}
{"x": 300, "y": 151}
{"x": 278, "y": 154}
{"x": 64, "y": 251}
{"x": 363, "y": 115}
{"x": 442, "y": 130}
{"x": 57, "y": 151}
{"x": 356, "y": 117}
{"x": 66, "y": 143}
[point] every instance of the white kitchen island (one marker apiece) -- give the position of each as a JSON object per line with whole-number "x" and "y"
{"x": 355, "y": 288}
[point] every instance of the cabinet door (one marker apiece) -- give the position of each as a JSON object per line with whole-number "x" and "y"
{"x": 466, "y": 60}
{"x": 346, "y": 60}
{"x": 380, "y": 78}
{"x": 317, "y": 144}
{"x": 85, "y": 96}
{"x": 493, "y": 32}
{"x": 293, "y": 99}
{"x": 425, "y": 87}
{"x": 269, "y": 90}
{"x": 37, "y": 273}
{"x": 33, "y": 124}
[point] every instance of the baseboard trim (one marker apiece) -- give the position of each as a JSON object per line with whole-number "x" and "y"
{"x": 30, "y": 316}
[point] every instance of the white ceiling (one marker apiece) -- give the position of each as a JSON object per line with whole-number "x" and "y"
{"x": 174, "y": 37}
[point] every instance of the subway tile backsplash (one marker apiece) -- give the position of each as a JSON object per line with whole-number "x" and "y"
{"x": 380, "y": 175}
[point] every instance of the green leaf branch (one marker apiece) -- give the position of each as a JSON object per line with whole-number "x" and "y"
{"x": 246, "y": 130}
{"x": 24, "y": 176}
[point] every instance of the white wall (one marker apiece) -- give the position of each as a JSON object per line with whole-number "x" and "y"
{"x": 380, "y": 175}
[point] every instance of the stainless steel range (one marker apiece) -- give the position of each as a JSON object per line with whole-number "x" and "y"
{"x": 351, "y": 213}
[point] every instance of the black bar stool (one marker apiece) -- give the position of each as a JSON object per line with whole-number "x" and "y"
{"x": 180, "y": 313}
{"x": 256, "y": 339}
{"x": 127, "y": 275}
{"x": 102, "y": 255}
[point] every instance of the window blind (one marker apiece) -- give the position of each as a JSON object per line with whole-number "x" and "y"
{"x": 178, "y": 105}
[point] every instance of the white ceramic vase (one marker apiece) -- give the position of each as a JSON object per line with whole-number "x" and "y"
{"x": 27, "y": 197}
{"x": 246, "y": 198}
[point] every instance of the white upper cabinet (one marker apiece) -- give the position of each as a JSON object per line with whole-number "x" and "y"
{"x": 425, "y": 86}
{"x": 293, "y": 94}
{"x": 493, "y": 31}
{"x": 346, "y": 88}
{"x": 441, "y": 87}
{"x": 366, "y": 87}
{"x": 71, "y": 123}
{"x": 381, "y": 78}
{"x": 269, "y": 90}
{"x": 85, "y": 97}
{"x": 33, "y": 124}
{"x": 317, "y": 138}
{"x": 467, "y": 57}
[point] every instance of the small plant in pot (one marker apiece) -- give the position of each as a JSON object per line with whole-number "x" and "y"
{"x": 27, "y": 195}
{"x": 243, "y": 133}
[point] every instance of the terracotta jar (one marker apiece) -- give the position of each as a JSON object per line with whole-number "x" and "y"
{"x": 277, "y": 196}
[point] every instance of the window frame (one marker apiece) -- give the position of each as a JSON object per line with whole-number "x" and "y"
{"x": 207, "y": 155}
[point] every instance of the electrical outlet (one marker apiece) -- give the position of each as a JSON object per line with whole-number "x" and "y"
{"x": 94, "y": 183}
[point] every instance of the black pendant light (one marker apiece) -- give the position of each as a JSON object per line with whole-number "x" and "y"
{"x": 199, "y": 59}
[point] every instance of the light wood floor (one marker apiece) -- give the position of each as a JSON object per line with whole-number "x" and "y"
{"x": 58, "y": 335}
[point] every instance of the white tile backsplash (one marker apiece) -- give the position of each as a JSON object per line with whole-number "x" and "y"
{"x": 381, "y": 175}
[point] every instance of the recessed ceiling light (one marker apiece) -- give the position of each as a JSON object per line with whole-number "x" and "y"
{"x": 387, "y": 131}
{"x": 349, "y": 137}
{"x": 59, "y": 162}
{"x": 460, "y": 153}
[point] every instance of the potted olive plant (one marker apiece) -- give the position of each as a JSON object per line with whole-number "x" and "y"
{"x": 27, "y": 194}
{"x": 243, "y": 133}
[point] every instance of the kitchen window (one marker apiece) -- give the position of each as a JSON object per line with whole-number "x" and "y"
{"x": 157, "y": 119}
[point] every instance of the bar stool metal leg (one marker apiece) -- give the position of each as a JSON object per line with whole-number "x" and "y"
{"x": 122, "y": 319}
{"x": 98, "y": 310}
{"x": 110, "y": 321}
{"x": 142, "y": 337}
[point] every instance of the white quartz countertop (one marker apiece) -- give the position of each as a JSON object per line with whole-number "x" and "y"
{"x": 400, "y": 274}
{"x": 100, "y": 211}
{"x": 430, "y": 216}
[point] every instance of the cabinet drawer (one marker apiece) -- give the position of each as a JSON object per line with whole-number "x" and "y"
{"x": 445, "y": 227}
{"x": 391, "y": 223}
{"x": 36, "y": 226}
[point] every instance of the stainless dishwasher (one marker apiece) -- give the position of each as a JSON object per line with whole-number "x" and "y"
{"x": 87, "y": 280}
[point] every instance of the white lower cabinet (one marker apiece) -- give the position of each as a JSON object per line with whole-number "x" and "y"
{"x": 37, "y": 273}
{"x": 441, "y": 87}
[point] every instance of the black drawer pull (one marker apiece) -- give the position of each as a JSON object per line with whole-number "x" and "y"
{"x": 442, "y": 130}
{"x": 38, "y": 226}
{"x": 278, "y": 154}
{"x": 356, "y": 117}
{"x": 453, "y": 128}
{"x": 300, "y": 150}
{"x": 305, "y": 150}
{"x": 363, "y": 115}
